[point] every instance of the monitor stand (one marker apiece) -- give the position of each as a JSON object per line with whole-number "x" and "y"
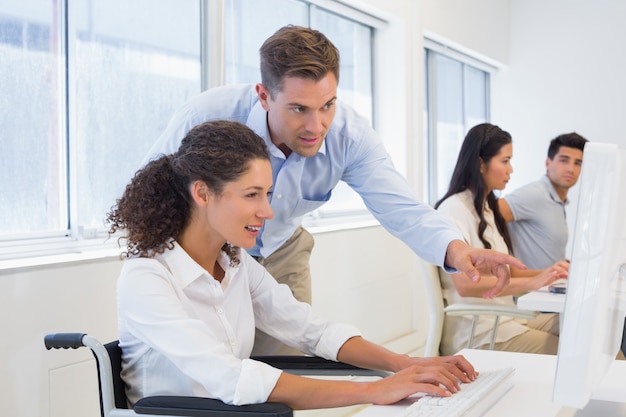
{"x": 595, "y": 408}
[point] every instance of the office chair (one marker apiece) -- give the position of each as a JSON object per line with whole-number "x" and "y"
{"x": 437, "y": 311}
{"x": 113, "y": 402}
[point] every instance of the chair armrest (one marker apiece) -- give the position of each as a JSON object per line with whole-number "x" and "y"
{"x": 488, "y": 309}
{"x": 313, "y": 365}
{"x": 207, "y": 407}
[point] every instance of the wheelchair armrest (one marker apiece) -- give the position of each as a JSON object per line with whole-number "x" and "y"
{"x": 313, "y": 365}
{"x": 64, "y": 340}
{"x": 207, "y": 407}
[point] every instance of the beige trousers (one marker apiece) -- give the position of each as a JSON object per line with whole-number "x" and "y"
{"x": 289, "y": 265}
{"x": 542, "y": 337}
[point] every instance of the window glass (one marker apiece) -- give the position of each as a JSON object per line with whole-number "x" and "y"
{"x": 476, "y": 91}
{"x": 86, "y": 98}
{"x": 32, "y": 162}
{"x": 449, "y": 109}
{"x": 125, "y": 85}
{"x": 247, "y": 24}
{"x": 457, "y": 99}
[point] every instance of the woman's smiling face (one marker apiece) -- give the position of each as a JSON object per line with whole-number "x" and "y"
{"x": 238, "y": 213}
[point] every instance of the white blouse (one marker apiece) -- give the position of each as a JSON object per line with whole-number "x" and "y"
{"x": 184, "y": 333}
{"x": 460, "y": 209}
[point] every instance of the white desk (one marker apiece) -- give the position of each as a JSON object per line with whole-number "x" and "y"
{"x": 531, "y": 394}
{"x": 542, "y": 300}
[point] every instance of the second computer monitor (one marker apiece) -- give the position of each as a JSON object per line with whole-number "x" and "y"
{"x": 595, "y": 305}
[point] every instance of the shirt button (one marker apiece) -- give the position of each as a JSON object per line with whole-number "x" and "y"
{"x": 219, "y": 310}
{"x": 279, "y": 196}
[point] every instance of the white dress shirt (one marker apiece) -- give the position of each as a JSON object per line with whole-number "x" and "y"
{"x": 184, "y": 333}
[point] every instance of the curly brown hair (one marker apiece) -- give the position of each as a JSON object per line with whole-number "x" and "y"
{"x": 296, "y": 51}
{"x": 156, "y": 205}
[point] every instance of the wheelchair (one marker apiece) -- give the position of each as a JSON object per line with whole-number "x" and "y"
{"x": 113, "y": 402}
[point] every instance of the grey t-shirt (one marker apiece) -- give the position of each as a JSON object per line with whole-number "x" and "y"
{"x": 539, "y": 231}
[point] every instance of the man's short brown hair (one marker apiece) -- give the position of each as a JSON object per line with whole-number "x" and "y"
{"x": 296, "y": 51}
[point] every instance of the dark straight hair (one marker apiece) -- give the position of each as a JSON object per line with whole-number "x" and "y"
{"x": 481, "y": 143}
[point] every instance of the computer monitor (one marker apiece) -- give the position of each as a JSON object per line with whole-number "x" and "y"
{"x": 595, "y": 304}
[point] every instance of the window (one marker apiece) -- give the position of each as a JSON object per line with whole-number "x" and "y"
{"x": 87, "y": 95}
{"x": 92, "y": 83}
{"x": 457, "y": 98}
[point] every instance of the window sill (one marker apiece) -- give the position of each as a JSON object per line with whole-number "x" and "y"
{"x": 66, "y": 251}
{"x": 361, "y": 219}
{"x": 59, "y": 253}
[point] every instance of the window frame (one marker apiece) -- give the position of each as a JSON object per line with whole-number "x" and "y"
{"x": 467, "y": 58}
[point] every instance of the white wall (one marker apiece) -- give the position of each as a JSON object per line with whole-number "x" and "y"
{"x": 564, "y": 74}
{"x": 72, "y": 297}
{"x": 347, "y": 288}
{"x": 562, "y": 60}
{"x": 477, "y": 25}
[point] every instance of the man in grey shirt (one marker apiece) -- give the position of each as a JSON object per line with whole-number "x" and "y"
{"x": 536, "y": 211}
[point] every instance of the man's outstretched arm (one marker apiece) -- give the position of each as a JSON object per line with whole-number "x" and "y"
{"x": 474, "y": 261}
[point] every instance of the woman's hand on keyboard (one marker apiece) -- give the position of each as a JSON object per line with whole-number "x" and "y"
{"x": 547, "y": 276}
{"x": 457, "y": 365}
{"x": 452, "y": 369}
{"x": 409, "y": 375}
{"x": 435, "y": 379}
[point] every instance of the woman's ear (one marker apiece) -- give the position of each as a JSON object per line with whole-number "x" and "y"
{"x": 200, "y": 193}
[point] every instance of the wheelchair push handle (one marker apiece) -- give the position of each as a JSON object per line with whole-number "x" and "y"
{"x": 64, "y": 340}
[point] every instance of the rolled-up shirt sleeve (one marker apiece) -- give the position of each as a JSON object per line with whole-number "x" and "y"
{"x": 256, "y": 382}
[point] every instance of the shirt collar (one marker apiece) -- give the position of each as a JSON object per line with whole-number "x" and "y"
{"x": 185, "y": 270}
{"x": 553, "y": 194}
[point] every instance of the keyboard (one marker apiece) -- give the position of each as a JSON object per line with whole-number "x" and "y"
{"x": 473, "y": 400}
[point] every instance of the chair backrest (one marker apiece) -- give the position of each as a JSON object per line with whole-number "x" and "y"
{"x": 434, "y": 296}
{"x": 437, "y": 311}
{"x": 119, "y": 388}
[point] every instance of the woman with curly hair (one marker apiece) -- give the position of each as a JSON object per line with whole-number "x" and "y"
{"x": 483, "y": 166}
{"x": 189, "y": 299}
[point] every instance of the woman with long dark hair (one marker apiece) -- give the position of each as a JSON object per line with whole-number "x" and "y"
{"x": 484, "y": 166}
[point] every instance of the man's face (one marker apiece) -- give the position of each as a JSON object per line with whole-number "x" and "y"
{"x": 300, "y": 115}
{"x": 564, "y": 169}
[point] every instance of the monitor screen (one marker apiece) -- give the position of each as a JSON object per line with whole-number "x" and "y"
{"x": 595, "y": 304}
